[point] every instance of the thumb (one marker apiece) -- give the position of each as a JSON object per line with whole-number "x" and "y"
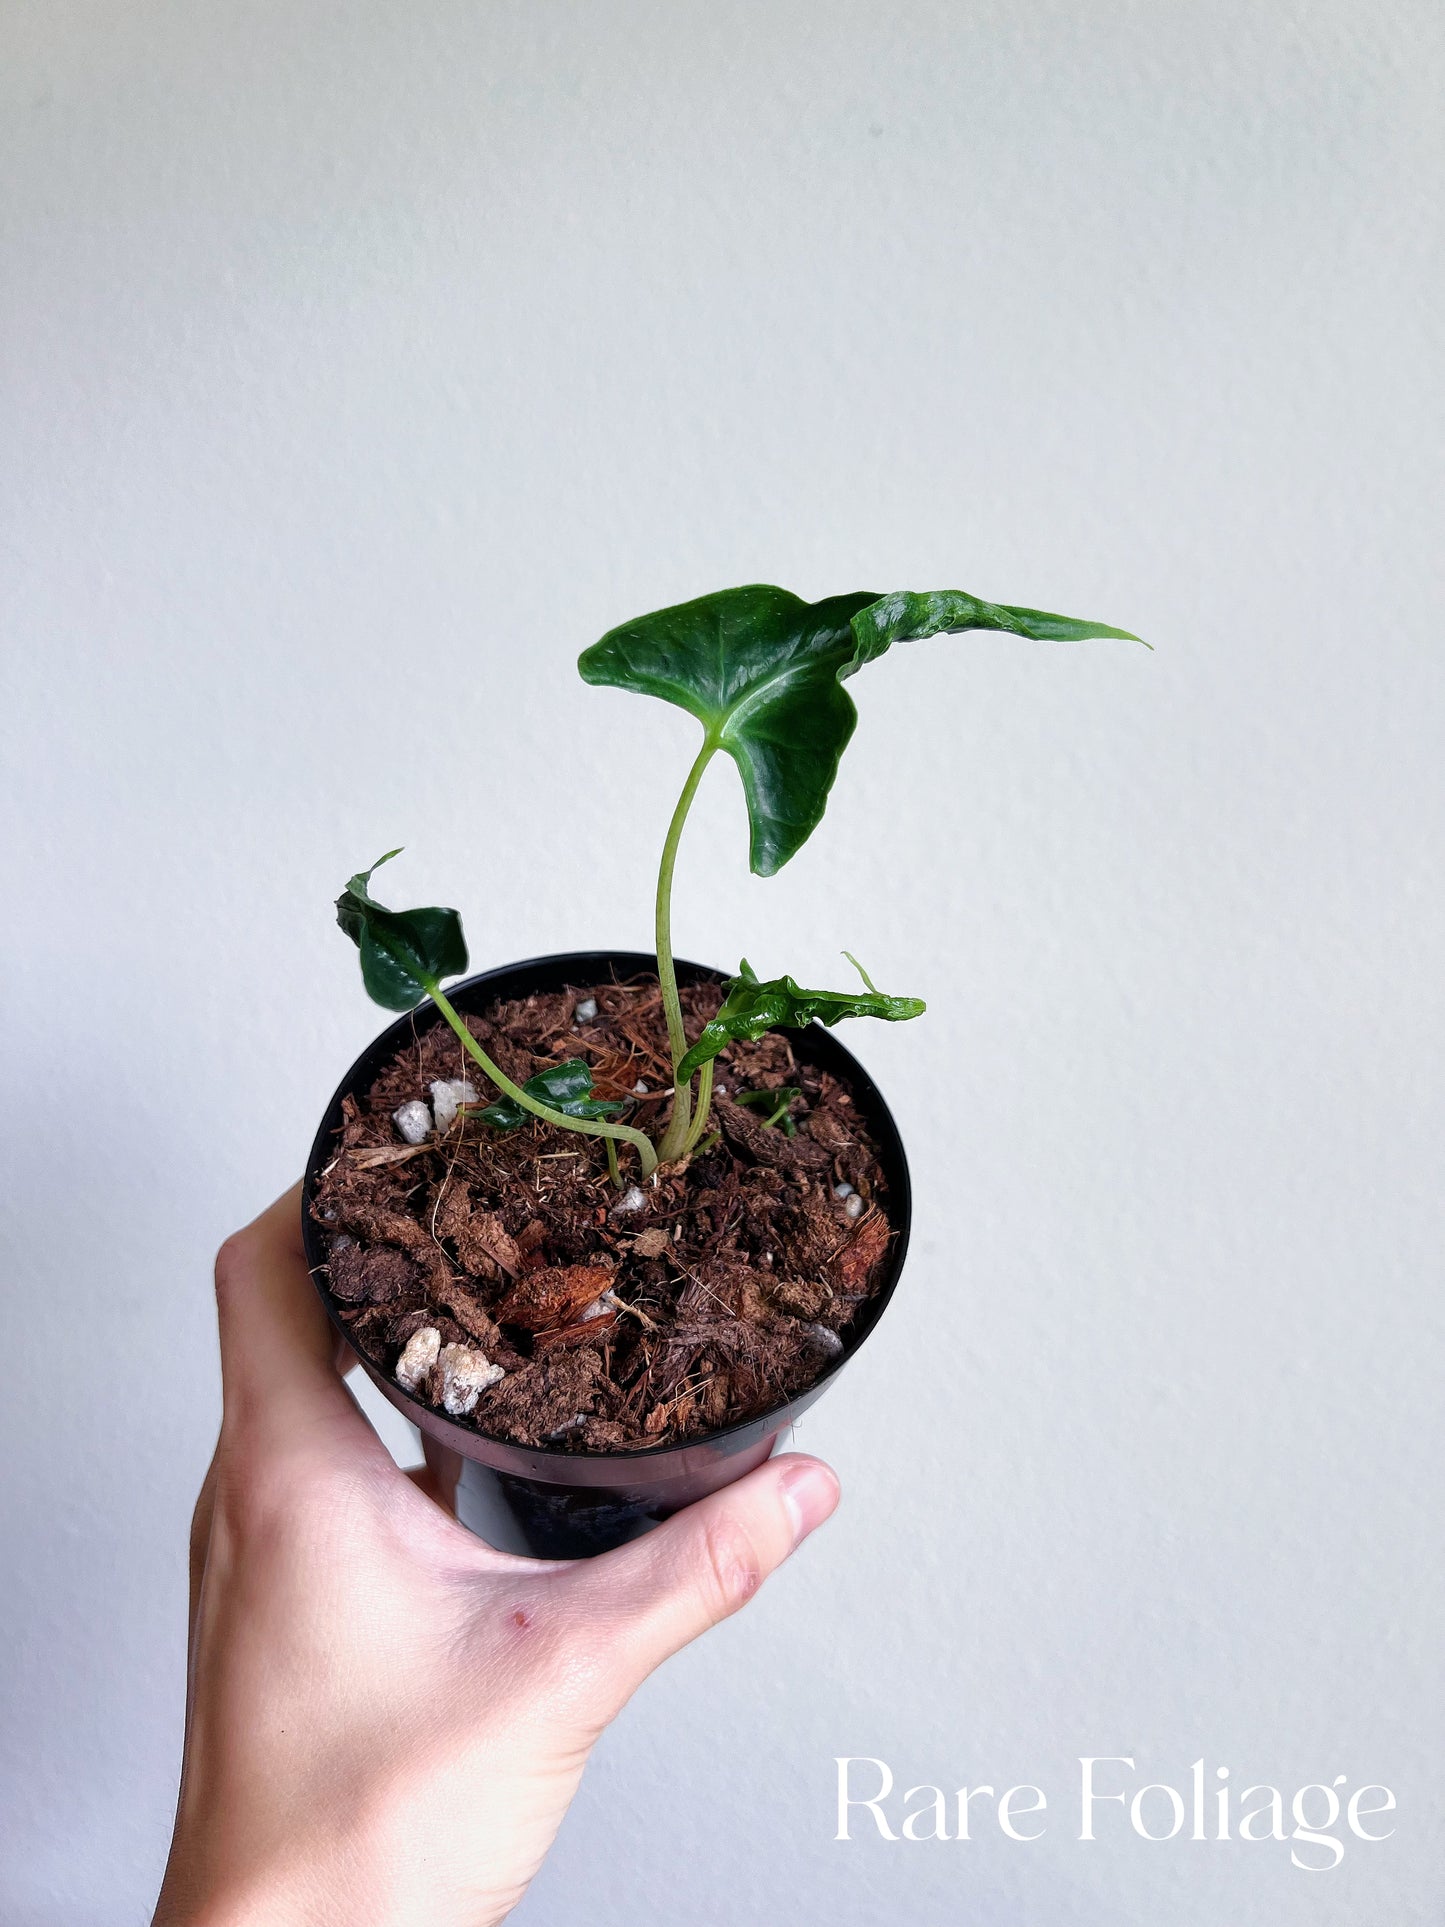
{"x": 650, "y": 1598}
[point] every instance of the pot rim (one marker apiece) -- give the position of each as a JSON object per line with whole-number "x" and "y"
{"x": 818, "y": 1042}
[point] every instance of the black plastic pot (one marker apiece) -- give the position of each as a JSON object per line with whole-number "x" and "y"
{"x": 546, "y": 1500}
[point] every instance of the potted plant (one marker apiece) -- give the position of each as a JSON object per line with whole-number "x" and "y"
{"x": 603, "y": 1224}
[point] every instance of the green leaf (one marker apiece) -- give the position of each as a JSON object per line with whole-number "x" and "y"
{"x": 768, "y": 1100}
{"x": 776, "y": 1103}
{"x": 909, "y": 616}
{"x": 566, "y": 1087}
{"x": 762, "y": 671}
{"x": 752, "y": 1008}
{"x": 403, "y": 952}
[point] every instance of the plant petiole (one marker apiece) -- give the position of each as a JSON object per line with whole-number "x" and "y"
{"x": 704, "y": 1107}
{"x": 588, "y": 1127}
{"x": 674, "y": 1141}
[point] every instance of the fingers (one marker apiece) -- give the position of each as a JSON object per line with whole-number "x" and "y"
{"x": 278, "y": 1354}
{"x": 656, "y": 1594}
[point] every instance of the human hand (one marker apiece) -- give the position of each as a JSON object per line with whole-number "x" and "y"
{"x": 385, "y": 1718}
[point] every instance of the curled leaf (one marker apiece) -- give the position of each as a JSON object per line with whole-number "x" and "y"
{"x": 565, "y": 1087}
{"x": 909, "y": 615}
{"x": 751, "y": 1008}
{"x": 404, "y": 953}
{"x": 763, "y": 670}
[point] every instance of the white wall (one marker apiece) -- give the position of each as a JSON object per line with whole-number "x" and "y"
{"x": 362, "y": 364}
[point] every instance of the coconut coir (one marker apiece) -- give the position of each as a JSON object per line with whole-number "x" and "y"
{"x": 729, "y": 1290}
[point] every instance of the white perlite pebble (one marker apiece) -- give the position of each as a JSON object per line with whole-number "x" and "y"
{"x": 839, "y": 1190}
{"x": 639, "y": 1089}
{"x": 826, "y": 1339}
{"x": 418, "y": 1358}
{"x": 853, "y": 1206}
{"x": 466, "y": 1374}
{"x": 632, "y": 1199}
{"x": 413, "y": 1120}
{"x": 448, "y": 1097}
{"x": 586, "y": 1010}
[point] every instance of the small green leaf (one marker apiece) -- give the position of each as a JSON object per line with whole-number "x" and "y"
{"x": 403, "y": 952}
{"x": 785, "y": 1094}
{"x": 565, "y": 1087}
{"x": 752, "y": 1008}
{"x": 763, "y": 671}
{"x": 775, "y": 1103}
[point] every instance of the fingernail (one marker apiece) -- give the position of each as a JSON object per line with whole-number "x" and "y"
{"x": 809, "y": 1493}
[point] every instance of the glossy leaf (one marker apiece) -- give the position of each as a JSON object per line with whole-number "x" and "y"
{"x": 403, "y": 952}
{"x": 763, "y": 671}
{"x": 566, "y": 1087}
{"x": 751, "y": 1008}
{"x": 909, "y": 616}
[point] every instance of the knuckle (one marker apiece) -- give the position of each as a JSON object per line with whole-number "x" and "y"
{"x": 731, "y": 1568}
{"x": 235, "y": 1261}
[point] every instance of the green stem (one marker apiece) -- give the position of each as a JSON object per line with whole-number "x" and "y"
{"x": 676, "y": 1136}
{"x": 704, "y": 1105}
{"x": 614, "y": 1170}
{"x": 588, "y": 1126}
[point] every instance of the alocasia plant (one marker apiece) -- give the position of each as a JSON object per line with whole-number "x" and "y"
{"x": 763, "y": 672}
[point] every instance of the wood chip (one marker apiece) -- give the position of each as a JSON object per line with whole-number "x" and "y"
{"x": 586, "y": 1331}
{"x": 465, "y": 1307}
{"x": 368, "y": 1160}
{"x": 549, "y": 1299}
{"x": 766, "y": 1144}
{"x": 851, "y": 1267}
{"x": 483, "y": 1245}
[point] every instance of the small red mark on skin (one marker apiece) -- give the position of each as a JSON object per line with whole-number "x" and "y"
{"x": 519, "y": 1618}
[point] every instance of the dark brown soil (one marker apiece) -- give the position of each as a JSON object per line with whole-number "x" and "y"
{"x": 730, "y": 1290}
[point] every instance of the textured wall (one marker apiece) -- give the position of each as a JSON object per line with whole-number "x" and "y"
{"x": 361, "y": 364}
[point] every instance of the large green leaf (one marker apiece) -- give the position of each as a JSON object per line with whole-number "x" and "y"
{"x": 762, "y": 672}
{"x": 403, "y": 952}
{"x": 565, "y": 1087}
{"x": 752, "y": 1008}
